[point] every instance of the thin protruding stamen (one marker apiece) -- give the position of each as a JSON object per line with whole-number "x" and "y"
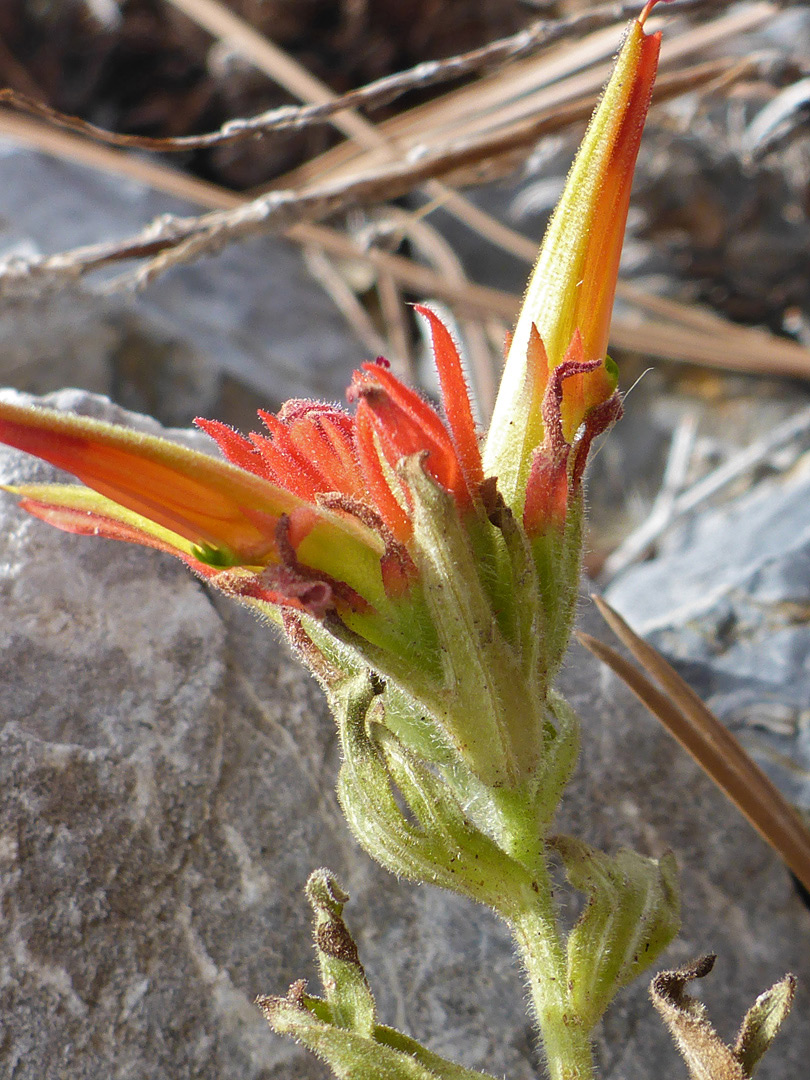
{"x": 646, "y": 11}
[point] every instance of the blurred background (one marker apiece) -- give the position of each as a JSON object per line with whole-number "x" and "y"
{"x": 712, "y": 322}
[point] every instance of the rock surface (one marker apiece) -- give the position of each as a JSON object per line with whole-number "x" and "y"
{"x": 166, "y": 777}
{"x": 247, "y": 322}
{"x": 728, "y": 601}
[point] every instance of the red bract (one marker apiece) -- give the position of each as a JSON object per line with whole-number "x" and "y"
{"x": 449, "y": 571}
{"x": 319, "y": 451}
{"x": 313, "y": 467}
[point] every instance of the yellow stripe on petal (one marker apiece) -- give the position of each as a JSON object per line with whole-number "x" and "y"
{"x": 186, "y": 501}
{"x": 64, "y": 505}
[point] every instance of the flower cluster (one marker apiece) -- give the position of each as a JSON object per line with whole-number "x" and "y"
{"x": 391, "y": 535}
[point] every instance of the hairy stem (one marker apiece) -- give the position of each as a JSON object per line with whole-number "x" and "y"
{"x": 566, "y": 1044}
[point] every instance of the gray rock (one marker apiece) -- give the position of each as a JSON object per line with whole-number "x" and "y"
{"x": 252, "y": 314}
{"x": 167, "y": 775}
{"x": 728, "y": 603}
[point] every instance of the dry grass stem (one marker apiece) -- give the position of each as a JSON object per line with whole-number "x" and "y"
{"x": 516, "y": 95}
{"x": 684, "y": 332}
{"x": 378, "y": 142}
{"x": 432, "y": 248}
{"x": 281, "y": 67}
{"x": 711, "y": 744}
{"x": 656, "y": 326}
{"x": 345, "y": 299}
{"x": 662, "y": 511}
{"x": 395, "y": 317}
{"x": 181, "y": 239}
{"x": 540, "y": 34}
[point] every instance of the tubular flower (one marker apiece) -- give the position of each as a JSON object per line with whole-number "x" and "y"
{"x": 303, "y": 509}
{"x": 385, "y": 538}
{"x": 558, "y": 385}
{"x": 311, "y": 502}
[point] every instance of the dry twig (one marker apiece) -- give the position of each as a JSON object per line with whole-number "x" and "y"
{"x": 172, "y": 240}
{"x": 671, "y": 330}
{"x": 656, "y": 326}
{"x": 540, "y": 34}
{"x": 711, "y": 744}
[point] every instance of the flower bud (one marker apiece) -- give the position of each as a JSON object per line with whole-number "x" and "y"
{"x": 566, "y": 311}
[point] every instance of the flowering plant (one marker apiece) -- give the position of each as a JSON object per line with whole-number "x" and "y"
{"x": 429, "y": 582}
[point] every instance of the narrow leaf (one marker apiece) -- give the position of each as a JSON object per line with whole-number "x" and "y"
{"x": 348, "y": 994}
{"x": 350, "y": 1056}
{"x": 762, "y": 1023}
{"x": 709, "y": 742}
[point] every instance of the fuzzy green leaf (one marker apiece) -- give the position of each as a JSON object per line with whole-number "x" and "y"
{"x": 762, "y": 1023}
{"x": 387, "y": 1055}
{"x": 631, "y": 916}
{"x": 435, "y": 842}
{"x": 347, "y": 991}
{"x": 492, "y": 713}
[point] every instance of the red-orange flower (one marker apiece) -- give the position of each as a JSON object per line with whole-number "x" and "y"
{"x": 556, "y": 368}
{"x": 450, "y": 571}
{"x": 308, "y": 507}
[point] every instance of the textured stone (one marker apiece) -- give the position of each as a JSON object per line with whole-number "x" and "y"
{"x": 728, "y": 602}
{"x": 251, "y": 314}
{"x": 167, "y": 775}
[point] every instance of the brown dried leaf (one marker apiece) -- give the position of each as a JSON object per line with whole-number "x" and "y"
{"x": 707, "y": 1057}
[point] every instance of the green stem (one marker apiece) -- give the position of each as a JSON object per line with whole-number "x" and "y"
{"x": 565, "y": 1042}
